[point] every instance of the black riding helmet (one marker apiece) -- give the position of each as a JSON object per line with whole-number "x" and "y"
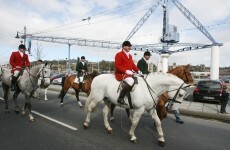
{"x": 126, "y": 43}
{"x": 21, "y": 46}
{"x": 82, "y": 57}
{"x": 147, "y": 53}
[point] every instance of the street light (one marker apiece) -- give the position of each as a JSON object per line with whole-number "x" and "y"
{"x": 23, "y": 36}
{"x": 17, "y": 37}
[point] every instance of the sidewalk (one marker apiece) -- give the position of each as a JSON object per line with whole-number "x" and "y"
{"x": 204, "y": 110}
{"x": 196, "y": 109}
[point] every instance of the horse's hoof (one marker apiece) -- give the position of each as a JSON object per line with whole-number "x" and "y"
{"x": 85, "y": 126}
{"x": 133, "y": 141}
{"x": 161, "y": 143}
{"x": 62, "y": 104}
{"x": 16, "y": 111}
{"x": 112, "y": 119}
{"x": 32, "y": 120}
{"x": 110, "y": 131}
{"x": 80, "y": 104}
{"x": 23, "y": 114}
{"x": 46, "y": 99}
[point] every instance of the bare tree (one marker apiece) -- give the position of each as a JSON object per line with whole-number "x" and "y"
{"x": 38, "y": 53}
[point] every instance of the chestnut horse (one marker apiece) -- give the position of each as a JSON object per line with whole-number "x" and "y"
{"x": 182, "y": 72}
{"x": 86, "y": 86}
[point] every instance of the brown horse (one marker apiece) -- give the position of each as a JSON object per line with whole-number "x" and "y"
{"x": 86, "y": 86}
{"x": 182, "y": 72}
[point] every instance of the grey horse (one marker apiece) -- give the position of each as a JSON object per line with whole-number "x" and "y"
{"x": 27, "y": 84}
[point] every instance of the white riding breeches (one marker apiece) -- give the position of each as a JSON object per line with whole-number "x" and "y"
{"x": 129, "y": 80}
{"x": 16, "y": 72}
{"x": 81, "y": 78}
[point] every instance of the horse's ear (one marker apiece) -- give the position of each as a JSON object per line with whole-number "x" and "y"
{"x": 187, "y": 66}
{"x": 46, "y": 64}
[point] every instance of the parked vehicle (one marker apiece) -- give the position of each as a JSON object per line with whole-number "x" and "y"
{"x": 208, "y": 90}
{"x": 57, "y": 81}
{"x": 225, "y": 79}
{"x": 56, "y": 76}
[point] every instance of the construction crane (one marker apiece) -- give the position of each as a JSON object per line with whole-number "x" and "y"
{"x": 169, "y": 40}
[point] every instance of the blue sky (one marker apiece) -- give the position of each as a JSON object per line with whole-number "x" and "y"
{"x": 43, "y": 14}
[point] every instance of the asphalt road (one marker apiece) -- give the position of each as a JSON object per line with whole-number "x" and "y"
{"x": 18, "y": 133}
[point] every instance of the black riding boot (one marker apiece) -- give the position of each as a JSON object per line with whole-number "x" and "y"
{"x": 80, "y": 87}
{"x": 124, "y": 91}
{"x": 13, "y": 83}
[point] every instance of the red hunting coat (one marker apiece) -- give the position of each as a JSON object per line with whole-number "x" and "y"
{"x": 17, "y": 60}
{"x": 123, "y": 63}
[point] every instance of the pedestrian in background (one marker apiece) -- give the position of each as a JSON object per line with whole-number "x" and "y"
{"x": 174, "y": 108}
{"x": 224, "y": 100}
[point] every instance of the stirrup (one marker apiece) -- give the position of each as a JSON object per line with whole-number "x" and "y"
{"x": 123, "y": 103}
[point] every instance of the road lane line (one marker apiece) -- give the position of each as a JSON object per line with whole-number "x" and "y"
{"x": 51, "y": 119}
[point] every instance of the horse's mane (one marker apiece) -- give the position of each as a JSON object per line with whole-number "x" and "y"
{"x": 164, "y": 74}
{"x": 93, "y": 74}
{"x": 179, "y": 67}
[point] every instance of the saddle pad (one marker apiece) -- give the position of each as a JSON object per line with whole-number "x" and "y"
{"x": 76, "y": 80}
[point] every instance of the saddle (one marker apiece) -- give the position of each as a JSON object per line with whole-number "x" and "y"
{"x": 128, "y": 95}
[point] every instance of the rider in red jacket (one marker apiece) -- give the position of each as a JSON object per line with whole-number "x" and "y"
{"x": 124, "y": 69}
{"x": 19, "y": 61}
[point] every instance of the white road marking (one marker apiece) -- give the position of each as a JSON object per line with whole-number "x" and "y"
{"x": 51, "y": 119}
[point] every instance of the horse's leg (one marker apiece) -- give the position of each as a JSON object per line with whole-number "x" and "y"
{"x": 46, "y": 94}
{"x": 89, "y": 109}
{"x": 155, "y": 117}
{"x": 136, "y": 117}
{"x": 16, "y": 93}
{"x": 77, "y": 96}
{"x": 105, "y": 114}
{"x": 63, "y": 92}
{"x": 129, "y": 115}
{"x": 111, "y": 111}
{"x": 38, "y": 91}
{"x": 6, "y": 91}
{"x": 23, "y": 113}
{"x": 31, "y": 118}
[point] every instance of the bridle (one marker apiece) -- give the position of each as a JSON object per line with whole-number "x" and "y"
{"x": 174, "y": 97}
{"x": 177, "y": 92}
{"x": 185, "y": 74}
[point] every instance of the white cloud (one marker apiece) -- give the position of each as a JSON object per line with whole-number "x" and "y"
{"x": 40, "y": 15}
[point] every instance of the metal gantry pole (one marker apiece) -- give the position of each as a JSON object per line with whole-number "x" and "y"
{"x": 69, "y": 59}
{"x": 25, "y": 35}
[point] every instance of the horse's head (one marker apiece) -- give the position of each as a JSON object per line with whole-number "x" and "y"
{"x": 88, "y": 80}
{"x": 44, "y": 74}
{"x": 177, "y": 92}
{"x": 183, "y": 72}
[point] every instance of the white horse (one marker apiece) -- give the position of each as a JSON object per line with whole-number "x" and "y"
{"x": 27, "y": 85}
{"x": 106, "y": 86}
